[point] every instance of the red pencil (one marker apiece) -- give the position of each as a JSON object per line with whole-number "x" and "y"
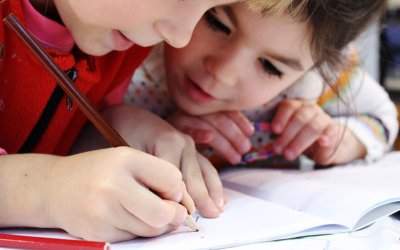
{"x": 28, "y": 242}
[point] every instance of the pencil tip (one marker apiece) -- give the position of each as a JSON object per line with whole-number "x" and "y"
{"x": 197, "y": 230}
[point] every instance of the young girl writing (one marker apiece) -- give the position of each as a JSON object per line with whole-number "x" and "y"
{"x": 298, "y": 74}
{"x": 101, "y": 195}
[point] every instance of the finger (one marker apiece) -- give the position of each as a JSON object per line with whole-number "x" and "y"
{"x": 241, "y": 121}
{"x": 146, "y": 205}
{"x": 130, "y": 223}
{"x": 296, "y": 123}
{"x": 213, "y": 182}
{"x": 285, "y": 111}
{"x": 328, "y": 152}
{"x": 183, "y": 147}
{"x": 321, "y": 155}
{"x": 231, "y": 131}
{"x": 307, "y": 136}
{"x": 200, "y": 131}
{"x": 170, "y": 188}
{"x": 152, "y": 171}
{"x": 329, "y": 136}
{"x": 198, "y": 135}
{"x": 225, "y": 148}
{"x": 187, "y": 201}
{"x": 193, "y": 177}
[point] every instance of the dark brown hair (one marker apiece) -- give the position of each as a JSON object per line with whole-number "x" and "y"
{"x": 334, "y": 24}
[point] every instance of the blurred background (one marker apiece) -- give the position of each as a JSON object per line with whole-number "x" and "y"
{"x": 379, "y": 51}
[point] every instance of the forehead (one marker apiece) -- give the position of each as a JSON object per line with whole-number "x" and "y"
{"x": 278, "y": 33}
{"x": 131, "y": 13}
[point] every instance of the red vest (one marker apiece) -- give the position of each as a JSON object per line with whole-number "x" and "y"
{"x": 25, "y": 88}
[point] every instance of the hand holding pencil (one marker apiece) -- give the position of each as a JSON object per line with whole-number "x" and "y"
{"x": 149, "y": 133}
{"x": 106, "y": 195}
{"x": 100, "y": 195}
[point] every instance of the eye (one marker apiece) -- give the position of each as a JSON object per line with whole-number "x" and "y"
{"x": 215, "y": 24}
{"x": 269, "y": 68}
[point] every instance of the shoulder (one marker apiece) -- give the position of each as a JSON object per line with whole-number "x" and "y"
{"x": 309, "y": 87}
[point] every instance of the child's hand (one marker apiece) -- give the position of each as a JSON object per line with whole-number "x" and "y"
{"x": 151, "y": 134}
{"x": 306, "y": 128}
{"x": 226, "y": 132}
{"x": 101, "y": 195}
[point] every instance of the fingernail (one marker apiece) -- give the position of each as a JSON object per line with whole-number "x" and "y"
{"x": 278, "y": 148}
{"x": 236, "y": 159}
{"x": 249, "y": 130}
{"x": 277, "y": 128}
{"x": 325, "y": 139}
{"x": 289, "y": 154}
{"x": 245, "y": 147}
{"x": 221, "y": 202}
{"x": 212, "y": 206}
{"x": 178, "y": 196}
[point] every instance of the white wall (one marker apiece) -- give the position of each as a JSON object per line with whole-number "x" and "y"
{"x": 367, "y": 46}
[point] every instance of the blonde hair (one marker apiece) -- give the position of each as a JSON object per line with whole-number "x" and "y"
{"x": 274, "y": 7}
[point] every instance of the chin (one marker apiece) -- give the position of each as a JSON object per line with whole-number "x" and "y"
{"x": 96, "y": 50}
{"x": 147, "y": 42}
{"x": 196, "y": 111}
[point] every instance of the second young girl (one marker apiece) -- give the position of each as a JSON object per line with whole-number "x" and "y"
{"x": 296, "y": 71}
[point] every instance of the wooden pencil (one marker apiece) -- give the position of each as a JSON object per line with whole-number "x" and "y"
{"x": 71, "y": 89}
{"x": 64, "y": 81}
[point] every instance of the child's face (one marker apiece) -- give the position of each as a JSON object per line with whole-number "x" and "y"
{"x": 99, "y": 27}
{"x": 237, "y": 60}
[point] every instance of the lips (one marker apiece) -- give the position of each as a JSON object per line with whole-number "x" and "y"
{"x": 120, "y": 41}
{"x": 196, "y": 93}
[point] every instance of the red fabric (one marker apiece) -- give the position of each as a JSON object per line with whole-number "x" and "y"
{"x": 25, "y": 88}
{"x": 49, "y": 33}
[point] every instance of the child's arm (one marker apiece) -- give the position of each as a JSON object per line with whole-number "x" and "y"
{"x": 226, "y": 132}
{"x": 366, "y": 110}
{"x": 151, "y": 134}
{"x": 99, "y": 195}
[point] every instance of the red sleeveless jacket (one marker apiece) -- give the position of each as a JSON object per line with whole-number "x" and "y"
{"x": 25, "y": 89}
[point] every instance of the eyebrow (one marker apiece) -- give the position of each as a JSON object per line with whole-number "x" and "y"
{"x": 231, "y": 15}
{"x": 291, "y": 62}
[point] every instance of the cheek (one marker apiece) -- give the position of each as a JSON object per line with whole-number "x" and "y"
{"x": 185, "y": 59}
{"x": 173, "y": 61}
{"x": 259, "y": 93}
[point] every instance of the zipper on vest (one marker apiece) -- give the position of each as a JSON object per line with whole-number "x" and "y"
{"x": 73, "y": 74}
{"x": 47, "y": 114}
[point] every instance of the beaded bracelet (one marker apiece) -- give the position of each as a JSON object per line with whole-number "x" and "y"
{"x": 263, "y": 154}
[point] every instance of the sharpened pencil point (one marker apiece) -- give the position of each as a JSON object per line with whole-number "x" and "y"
{"x": 191, "y": 223}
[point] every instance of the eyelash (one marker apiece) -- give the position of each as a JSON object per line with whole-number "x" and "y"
{"x": 269, "y": 68}
{"x": 215, "y": 24}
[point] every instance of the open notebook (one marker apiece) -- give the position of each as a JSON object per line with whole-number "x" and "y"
{"x": 274, "y": 204}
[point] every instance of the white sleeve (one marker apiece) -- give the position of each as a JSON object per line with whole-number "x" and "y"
{"x": 365, "y": 108}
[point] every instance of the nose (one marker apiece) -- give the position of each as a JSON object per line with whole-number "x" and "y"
{"x": 177, "y": 36}
{"x": 225, "y": 66}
